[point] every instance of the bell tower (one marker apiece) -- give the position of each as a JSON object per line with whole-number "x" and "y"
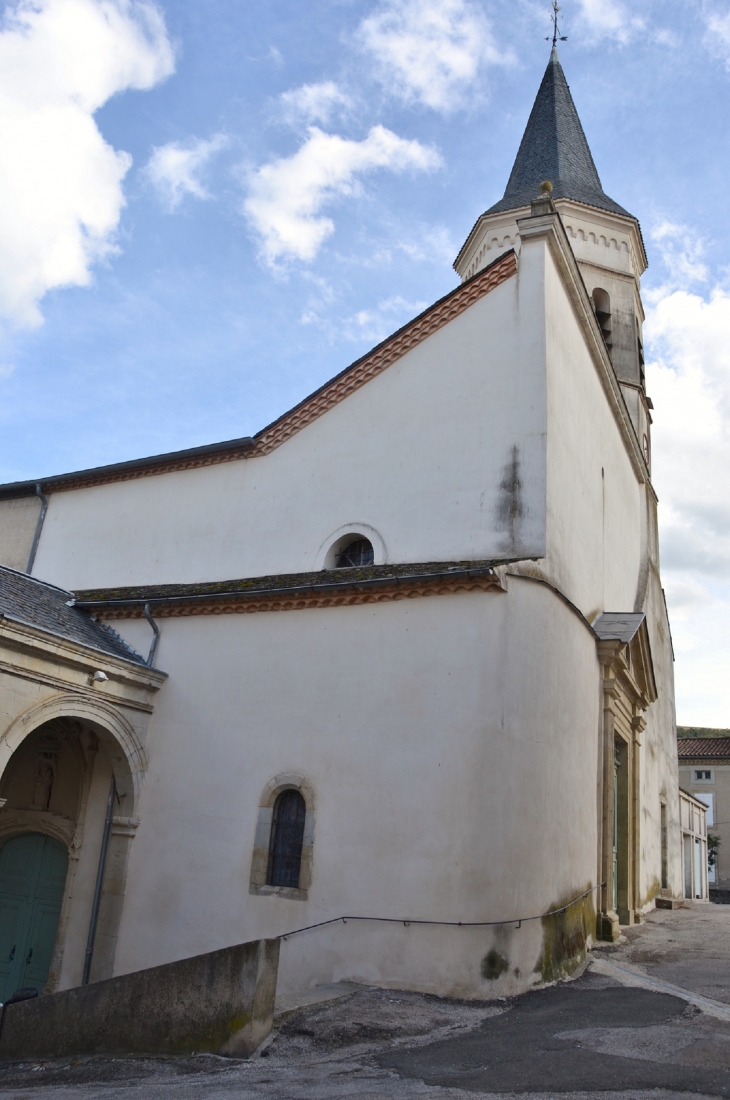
{"x": 606, "y": 239}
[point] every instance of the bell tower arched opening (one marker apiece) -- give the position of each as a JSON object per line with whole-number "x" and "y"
{"x": 602, "y": 306}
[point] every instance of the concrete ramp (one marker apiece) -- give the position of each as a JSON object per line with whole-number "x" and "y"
{"x": 221, "y": 1002}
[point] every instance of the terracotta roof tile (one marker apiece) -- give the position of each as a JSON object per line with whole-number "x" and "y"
{"x": 703, "y": 748}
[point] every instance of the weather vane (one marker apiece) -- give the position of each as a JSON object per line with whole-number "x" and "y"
{"x": 557, "y": 36}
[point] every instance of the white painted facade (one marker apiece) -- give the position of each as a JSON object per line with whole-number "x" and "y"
{"x": 457, "y": 746}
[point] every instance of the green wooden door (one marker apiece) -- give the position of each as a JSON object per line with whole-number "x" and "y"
{"x": 32, "y": 878}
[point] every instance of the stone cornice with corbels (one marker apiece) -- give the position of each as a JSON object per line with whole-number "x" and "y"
{"x": 618, "y": 678}
{"x": 33, "y": 654}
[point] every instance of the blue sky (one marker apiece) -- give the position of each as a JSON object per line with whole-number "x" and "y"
{"x": 208, "y": 208}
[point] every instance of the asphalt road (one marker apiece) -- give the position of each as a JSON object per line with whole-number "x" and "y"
{"x": 590, "y": 1036}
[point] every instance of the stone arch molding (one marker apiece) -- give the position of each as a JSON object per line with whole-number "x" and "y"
{"x": 127, "y": 754}
{"x": 380, "y": 550}
{"x": 27, "y": 821}
{"x": 286, "y": 781}
{"x": 260, "y": 856}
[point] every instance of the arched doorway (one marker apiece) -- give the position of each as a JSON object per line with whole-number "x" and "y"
{"x": 33, "y": 872}
{"x": 55, "y": 794}
{"x": 73, "y": 722}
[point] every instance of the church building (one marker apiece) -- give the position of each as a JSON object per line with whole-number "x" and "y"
{"x": 401, "y": 658}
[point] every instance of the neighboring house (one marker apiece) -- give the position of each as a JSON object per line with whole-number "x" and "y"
{"x": 417, "y": 662}
{"x": 693, "y": 820}
{"x": 704, "y": 770}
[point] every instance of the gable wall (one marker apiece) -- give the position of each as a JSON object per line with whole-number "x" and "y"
{"x": 594, "y": 525}
{"x": 422, "y": 454}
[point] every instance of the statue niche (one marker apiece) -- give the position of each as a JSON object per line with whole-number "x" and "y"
{"x": 45, "y": 774}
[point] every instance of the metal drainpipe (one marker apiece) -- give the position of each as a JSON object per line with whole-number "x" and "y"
{"x": 99, "y": 880}
{"x": 38, "y": 527}
{"x": 155, "y": 640}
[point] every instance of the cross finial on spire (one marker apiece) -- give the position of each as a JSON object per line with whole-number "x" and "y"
{"x": 557, "y": 36}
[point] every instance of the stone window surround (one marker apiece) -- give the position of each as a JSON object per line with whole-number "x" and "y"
{"x": 262, "y": 842}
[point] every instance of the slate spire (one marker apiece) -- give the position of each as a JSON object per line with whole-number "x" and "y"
{"x": 554, "y": 147}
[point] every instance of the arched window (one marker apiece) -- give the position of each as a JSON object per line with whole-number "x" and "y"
{"x": 602, "y": 305}
{"x": 287, "y": 838}
{"x": 640, "y": 350}
{"x": 357, "y": 552}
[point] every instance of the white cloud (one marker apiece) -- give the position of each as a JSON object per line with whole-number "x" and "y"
{"x": 386, "y": 317}
{"x": 690, "y": 385}
{"x": 430, "y": 51}
{"x": 717, "y": 37}
{"x": 688, "y": 376}
{"x": 60, "y": 181}
{"x": 682, "y": 253}
{"x": 6, "y": 369}
{"x": 609, "y": 19}
{"x": 435, "y": 243}
{"x": 286, "y": 197}
{"x": 175, "y": 169}
{"x": 367, "y": 326}
{"x": 313, "y": 103}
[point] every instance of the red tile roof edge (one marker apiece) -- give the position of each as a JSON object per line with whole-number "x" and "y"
{"x": 703, "y": 748}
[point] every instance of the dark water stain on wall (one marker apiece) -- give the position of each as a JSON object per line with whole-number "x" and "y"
{"x": 494, "y": 965}
{"x": 510, "y": 506}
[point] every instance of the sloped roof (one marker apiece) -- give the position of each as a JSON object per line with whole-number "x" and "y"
{"x": 619, "y": 626}
{"x": 27, "y": 600}
{"x": 368, "y": 366}
{"x": 287, "y": 591}
{"x": 554, "y": 147}
{"x": 707, "y": 748}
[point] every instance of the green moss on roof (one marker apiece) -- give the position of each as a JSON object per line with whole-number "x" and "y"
{"x": 281, "y": 581}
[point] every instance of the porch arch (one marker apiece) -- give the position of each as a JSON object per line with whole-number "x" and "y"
{"x": 128, "y": 761}
{"x": 125, "y": 750}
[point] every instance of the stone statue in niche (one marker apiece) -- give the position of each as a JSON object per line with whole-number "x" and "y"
{"x": 46, "y": 767}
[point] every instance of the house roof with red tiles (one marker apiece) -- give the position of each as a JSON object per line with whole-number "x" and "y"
{"x": 703, "y": 748}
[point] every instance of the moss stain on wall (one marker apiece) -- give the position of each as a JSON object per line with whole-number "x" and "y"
{"x": 565, "y": 937}
{"x": 494, "y": 964}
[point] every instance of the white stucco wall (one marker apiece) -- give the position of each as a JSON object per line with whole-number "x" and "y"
{"x": 451, "y": 742}
{"x": 594, "y": 497}
{"x": 603, "y": 552}
{"x": 418, "y": 454}
{"x": 603, "y": 549}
